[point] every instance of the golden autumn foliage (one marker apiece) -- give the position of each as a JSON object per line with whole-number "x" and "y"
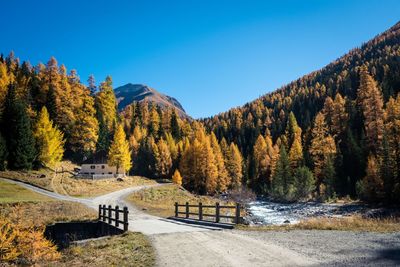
{"x": 177, "y": 178}
{"x": 371, "y": 104}
{"x": 322, "y": 148}
{"x": 24, "y": 244}
{"x": 372, "y": 184}
{"x": 119, "y": 154}
{"x": 234, "y": 166}
{"x": 49, "y": 140}
{"x": 106, "y": 103}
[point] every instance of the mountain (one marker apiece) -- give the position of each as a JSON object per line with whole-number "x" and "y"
{"x": 129, "y": 93}
{"x": 332, "y": 88}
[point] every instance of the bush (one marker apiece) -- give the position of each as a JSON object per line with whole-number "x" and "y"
{"x": 24, "y": 245}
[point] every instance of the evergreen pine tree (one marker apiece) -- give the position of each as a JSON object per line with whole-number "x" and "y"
{"x": 175, "y": 128}
{"x": 92, "y": 85}
{"x": 282, "y": 182}
{"x": 19, "y": 138}
{"x": 304, "y": 182}
{"x": 329, "y": 177}
{"x": 3, "y": 153}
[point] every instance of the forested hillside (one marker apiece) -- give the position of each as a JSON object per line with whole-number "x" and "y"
{"x": 334, "y": 132}
{"x": 48, "y": 114}
{"x": 341, "y": 122}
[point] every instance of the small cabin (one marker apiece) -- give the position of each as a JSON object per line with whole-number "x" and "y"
{"x": 99, "y": 169}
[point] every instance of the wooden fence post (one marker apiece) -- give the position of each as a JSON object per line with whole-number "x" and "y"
{"x": 200, "y": 211}
{"x": 187, "y": 210}
{"x": 237, "y": 217}
{"x": 176, "y": 209}
{"x": 116, "y": 216}
{"x": 125, "y": 219}
{"x": 217, "y": 212}
{"x": 104, "y": 213}
{"x": 99, "y": 212}
{"x": 109, "y": 214}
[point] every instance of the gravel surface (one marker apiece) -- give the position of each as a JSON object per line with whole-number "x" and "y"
{"x": 337, "y": 248}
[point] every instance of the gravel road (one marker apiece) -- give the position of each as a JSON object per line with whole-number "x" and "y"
{"x": 178, "y": 244}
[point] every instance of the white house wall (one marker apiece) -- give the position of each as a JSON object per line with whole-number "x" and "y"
{"x": 91, "y": 169}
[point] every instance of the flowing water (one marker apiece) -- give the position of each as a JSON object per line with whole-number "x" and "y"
{"x": 272, "y": 213}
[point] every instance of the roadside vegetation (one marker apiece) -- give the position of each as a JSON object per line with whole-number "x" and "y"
{"x": 129, "y": 249}
{"x": 23, "y": 217}
{"x": 160, "y": 200}
{"x": 351, "y": 223}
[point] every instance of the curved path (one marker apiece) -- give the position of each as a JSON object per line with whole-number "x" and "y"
{"x": 179, "y": 244}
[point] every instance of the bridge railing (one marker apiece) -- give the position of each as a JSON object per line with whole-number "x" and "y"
{"x": 201, "y": 212}
{"x": 110, "y": 215}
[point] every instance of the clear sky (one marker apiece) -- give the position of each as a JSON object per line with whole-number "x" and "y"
{"x": 209, "y": 54}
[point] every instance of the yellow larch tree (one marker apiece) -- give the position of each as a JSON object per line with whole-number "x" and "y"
{"x": 119, "y": 154}
{"x": 49, "y": 140}
{"x": 177, "y": 178}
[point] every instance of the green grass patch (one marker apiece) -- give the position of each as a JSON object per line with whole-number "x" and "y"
{"x": 12, "y": 193}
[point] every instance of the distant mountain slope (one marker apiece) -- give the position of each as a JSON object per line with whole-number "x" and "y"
{"x": 129, "y": 93}
{"x": 305, "y": 98}
{"x": 306, "y": 95}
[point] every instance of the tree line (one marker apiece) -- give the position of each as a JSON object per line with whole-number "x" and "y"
{"x": 334, "y": 132}
{"x": 48, "y": 114}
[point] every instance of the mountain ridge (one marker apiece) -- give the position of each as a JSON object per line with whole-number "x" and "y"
{"x": 130, "y": 92}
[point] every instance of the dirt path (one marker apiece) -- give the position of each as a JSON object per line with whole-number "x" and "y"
{"x": 222, "y": 248}
{"x": 178, "y": 244}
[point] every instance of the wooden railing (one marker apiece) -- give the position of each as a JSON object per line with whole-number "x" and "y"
{"x": 201, "y": 215}
{"x": 110, "y": 215}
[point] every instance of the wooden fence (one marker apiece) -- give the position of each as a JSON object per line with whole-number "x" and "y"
{"x": 201, "y": 215}
{"x": 110, "y": 215}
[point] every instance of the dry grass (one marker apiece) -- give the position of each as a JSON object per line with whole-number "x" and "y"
{"x": 351, "y": 223}
{"x": 90, "y": 188}
{"x": 12, "y": 193}
{"x": 32, "y": 212}
{"x": 129, "y": 249}
{"x": 42, "y": 213}
{"x": 31, "y": 177}
{"x": 160, "y": 200}
{"x": 65, "y": 184}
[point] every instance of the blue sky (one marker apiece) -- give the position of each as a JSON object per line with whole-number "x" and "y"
{"x": 209, "y": 54}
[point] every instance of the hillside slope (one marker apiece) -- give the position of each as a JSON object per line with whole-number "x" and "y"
{"x": 306, "y": 96}
{"x": 129, "y": 93}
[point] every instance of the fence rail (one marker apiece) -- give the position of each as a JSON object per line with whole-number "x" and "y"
{"x": 200, "y": 215}
{"x": 110, "y": 215}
